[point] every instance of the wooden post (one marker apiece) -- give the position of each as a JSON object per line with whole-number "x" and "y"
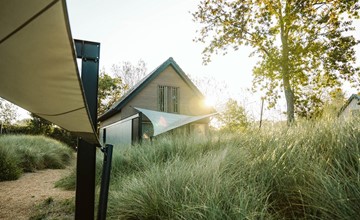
{"x": 262, "y": 110}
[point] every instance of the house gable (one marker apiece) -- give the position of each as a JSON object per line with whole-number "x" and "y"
{"x": 145, "y": 94}
{"x": 190, "y": 103}
{"x": 352, "y": 104}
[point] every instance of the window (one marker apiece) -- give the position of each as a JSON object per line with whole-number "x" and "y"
{"x": 168, "y": 100}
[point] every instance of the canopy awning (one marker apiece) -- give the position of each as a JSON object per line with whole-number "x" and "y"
{"x": 38, "y": 64}
{"x": 163, "y": 122}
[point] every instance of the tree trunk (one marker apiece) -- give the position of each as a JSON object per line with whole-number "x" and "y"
{"x": 289, "y": 95}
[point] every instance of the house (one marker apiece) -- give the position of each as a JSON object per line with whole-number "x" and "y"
{"x": 351, "y": 107}
{"x": 165, "y": 100}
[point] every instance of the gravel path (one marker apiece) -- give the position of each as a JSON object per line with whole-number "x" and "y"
{"x": 17, "y": 198}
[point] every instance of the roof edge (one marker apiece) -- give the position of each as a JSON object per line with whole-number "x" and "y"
{"x": 116, "y": 108}
{"x": 353, "y": 96}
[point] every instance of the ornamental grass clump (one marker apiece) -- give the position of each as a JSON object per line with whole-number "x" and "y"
{"x": 25, "y": 153}
{"x": 310, "y": 170}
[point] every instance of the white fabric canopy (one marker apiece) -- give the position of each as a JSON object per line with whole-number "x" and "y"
{"x": 163, "y": 122}
{"x": 38, "y": 64}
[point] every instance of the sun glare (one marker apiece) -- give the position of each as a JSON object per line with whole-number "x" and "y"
{"x": 209, "y": 102}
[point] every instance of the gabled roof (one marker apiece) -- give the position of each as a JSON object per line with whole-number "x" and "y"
{"x": 353, "y": 96}
{"x": 117, "y": 106}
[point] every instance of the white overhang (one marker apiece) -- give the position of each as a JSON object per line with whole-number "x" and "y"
{"x": 163, "y": 122}
{"x": 38, "y": 64}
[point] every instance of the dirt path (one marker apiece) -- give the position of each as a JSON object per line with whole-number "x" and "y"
{"x": 17, "y": 198}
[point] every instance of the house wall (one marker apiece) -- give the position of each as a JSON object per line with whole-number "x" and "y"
{"x": 190, "y": 103}
{"x": 118, "y": 129}
{"x": 121, "y": 133}
{"x": 353, "y": 106}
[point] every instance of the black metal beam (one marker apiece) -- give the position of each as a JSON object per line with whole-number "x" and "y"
{"x": 89, "y": 52}
{"x": 105, "y": 181}
{"x": 85, "y": 181}
{"x": 86, "y": 157}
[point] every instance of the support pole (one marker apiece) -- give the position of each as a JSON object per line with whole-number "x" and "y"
{"x": 85, "y": 180}
{"x": 105, "y": 181}
{"x": 86, "y": 156}
{"x": 262, "y": 111}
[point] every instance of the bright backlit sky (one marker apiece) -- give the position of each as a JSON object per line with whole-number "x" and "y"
{"x": 156, "y": 30}
{"x": 153, "y": 31}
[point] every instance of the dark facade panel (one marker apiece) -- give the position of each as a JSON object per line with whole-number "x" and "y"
{"x": 122, "y": 133}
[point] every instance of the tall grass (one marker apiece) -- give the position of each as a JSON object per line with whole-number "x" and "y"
{"x": 308, "y": 171}
{"x": 25, "y": 153}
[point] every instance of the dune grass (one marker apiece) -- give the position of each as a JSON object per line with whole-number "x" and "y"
{"x": 53, "y": 209}
{"x": 25, "y": 153}
{"x": 308, "y": 171}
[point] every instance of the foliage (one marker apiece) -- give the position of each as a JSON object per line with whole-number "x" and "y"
{"x": 8, "y": 113}
{"x": 327, "y": 106}
{"x": 302, "y": 45}
{"x": 109, "y": 91}
{"x": 233, "y": 117}
{"x": 9, "y": 169}
{"x": 213, "y": 90}
{"x": 307, "y": 171}
{"x": 38, "y": 125}
{"x": 333, "y": 105}
{"x": 111, "y": 88}
{"x": 130, "y": 74}
{"x": 25, "y": 153}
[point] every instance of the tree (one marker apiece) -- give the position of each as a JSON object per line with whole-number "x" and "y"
{"x": 333, "y": 104}
{"x": 130, "y": 74}
{"x": 302, "y": 44}
{"x": 233, "y": 117}
{"x": 320, "y": 104}
{"x": 112, "y": 86}
{"x": 39, "y": 126}
{"x": 110, "y": 89}
{"x": 8, "y": 113}
{"x": 213, "y": 90}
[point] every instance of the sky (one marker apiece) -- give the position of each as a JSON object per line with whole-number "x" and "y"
{"x": 156, "y": 30}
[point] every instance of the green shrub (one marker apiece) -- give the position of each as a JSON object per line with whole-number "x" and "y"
{"x": 9, "y": 168}
{"x": 308, "y": 171}
{"x": 31, "y": 153}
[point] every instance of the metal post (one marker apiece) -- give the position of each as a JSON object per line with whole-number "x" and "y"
{"x": 89, "y": 53}
{"x": 105, "y": 181}
{"x": 85, "y": 180}
{"x": 140, "y": 127}
{"x": 86, "y": 156}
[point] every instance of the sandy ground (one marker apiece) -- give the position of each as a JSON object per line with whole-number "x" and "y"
{"x": 17, "y": 198}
